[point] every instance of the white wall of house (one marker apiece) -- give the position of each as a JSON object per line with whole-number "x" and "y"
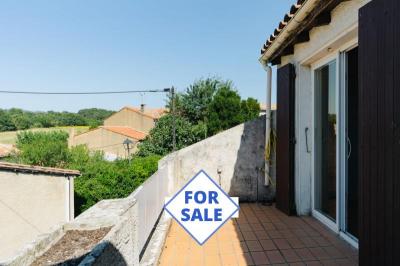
{"x": 30, "y": 205}
{"x": 324, "y": 41}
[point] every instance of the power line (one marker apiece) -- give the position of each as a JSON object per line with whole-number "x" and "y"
{"x": 80, "y": 93}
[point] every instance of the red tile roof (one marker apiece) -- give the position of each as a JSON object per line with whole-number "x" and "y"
{"x": 282, "y": 24}
{"x": 126, "y": 131}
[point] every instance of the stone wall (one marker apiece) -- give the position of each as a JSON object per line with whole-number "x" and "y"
{"x": 118, "y": 247}
{"x": 238, "y": 154}
{"x": 23, "y": 215}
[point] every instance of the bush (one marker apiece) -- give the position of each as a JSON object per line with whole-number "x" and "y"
{"x": 160, "y": 139}
{"x": 43, "y": 148}
{"x": 100, "y": 179}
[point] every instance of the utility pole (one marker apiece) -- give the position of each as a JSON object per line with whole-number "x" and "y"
{"x": 173, "y": 119}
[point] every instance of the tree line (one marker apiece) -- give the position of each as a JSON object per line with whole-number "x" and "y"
{"x": 18, "y": 119}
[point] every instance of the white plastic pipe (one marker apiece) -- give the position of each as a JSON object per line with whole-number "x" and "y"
{"x": 268, "y": 69}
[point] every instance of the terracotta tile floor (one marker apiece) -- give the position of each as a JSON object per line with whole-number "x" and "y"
{"x": 260, "y": 236}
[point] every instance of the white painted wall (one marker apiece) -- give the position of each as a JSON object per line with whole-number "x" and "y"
{"x": 324, "y": 41}
{"x": 30, "y": 205}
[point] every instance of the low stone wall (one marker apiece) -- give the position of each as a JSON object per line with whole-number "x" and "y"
{"x": 237, "y": 153}
{"x": 118, "y": 247}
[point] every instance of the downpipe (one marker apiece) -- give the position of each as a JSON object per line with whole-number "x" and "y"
{"x": 268, "y": 69}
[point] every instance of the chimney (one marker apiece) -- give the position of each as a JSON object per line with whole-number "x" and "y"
{"x": 142, "y": 107}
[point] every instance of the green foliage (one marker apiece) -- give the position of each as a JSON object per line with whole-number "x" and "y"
{"x": 207, "y": 107}
{"x": 100, "y": 179}
{"x": 195, "y": 101}
{"x": 160, "y": 138}
{"x": 18, "y": 119}
{"x": 225, "y": 110}
{"x": 6, "y": 124}
{"x": 43, "y": 148}
{"x": 250, "y": 109}
{"x": 108, "y": 180}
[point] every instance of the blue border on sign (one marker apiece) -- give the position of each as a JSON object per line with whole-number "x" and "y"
{"x": 176, "y": 194}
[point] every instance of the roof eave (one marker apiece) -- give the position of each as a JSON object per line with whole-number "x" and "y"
{"x": 291, "y": 26}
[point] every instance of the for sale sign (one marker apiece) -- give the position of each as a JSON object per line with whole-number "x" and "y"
{"x": 201, "y": 207}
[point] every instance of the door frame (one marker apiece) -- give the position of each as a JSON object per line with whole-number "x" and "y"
{"x": 318, "y": 215}
{"x": 338, "y": 55}
{"x": 343, "y": 152}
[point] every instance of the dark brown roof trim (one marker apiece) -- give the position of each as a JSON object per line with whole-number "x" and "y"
{"x": 23, "y": 168}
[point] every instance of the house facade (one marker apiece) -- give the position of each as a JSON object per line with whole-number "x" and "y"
{"x": 110, "y": 140}
{"x": 33, "y": 200}
{"x": 128, "y": 124}
{"x": 338, "y": 119}
{"x": 140, "y": 119}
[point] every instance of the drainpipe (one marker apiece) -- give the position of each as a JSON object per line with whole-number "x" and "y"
{"x": 268, "y": 69}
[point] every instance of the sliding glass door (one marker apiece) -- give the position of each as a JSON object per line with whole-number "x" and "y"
{"x": 326, "y": 132}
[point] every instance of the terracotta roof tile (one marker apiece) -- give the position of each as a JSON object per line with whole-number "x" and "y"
{"x": 282, "y": 24}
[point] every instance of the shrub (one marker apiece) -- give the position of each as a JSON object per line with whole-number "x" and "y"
{"x": 101, "y": 179}
{"x": 43, "y": 148}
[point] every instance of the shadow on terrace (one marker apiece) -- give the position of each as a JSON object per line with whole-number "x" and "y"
{"x": 138, "y": 235}
{"x": 262, "y": 234}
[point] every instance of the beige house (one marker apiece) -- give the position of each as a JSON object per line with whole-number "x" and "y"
{"x": 140, "y": 119}
{"x": 129, "y": 123}
{"x": 32, "y": 200}
{"x": 109, "y": 139}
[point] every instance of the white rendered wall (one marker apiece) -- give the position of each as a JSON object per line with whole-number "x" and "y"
{"x": 324, "y": 41}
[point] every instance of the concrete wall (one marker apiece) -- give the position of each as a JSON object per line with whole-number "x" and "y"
{"x": 238, "y": 152}
{"x": 324, "y": 41}
{"x": 130, "y": 118}
{"x": 104, "y": 140}
{"x": 118, "y": 247}
{"x": 29, "y": 206}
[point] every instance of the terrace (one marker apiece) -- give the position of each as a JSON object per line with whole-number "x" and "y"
{"x": 261, "y": 235}
{"x": 136, "y": 231}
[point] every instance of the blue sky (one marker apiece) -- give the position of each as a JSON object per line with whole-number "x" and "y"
{"x": 96, "y": 45}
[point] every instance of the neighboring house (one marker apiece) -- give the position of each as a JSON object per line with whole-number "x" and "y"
{"x": 110, "y": 139}
{"x": 140, "y": 119}
{"x": 32, "y": 200}
{"x": 129, "y": 123}
{"x": 338, "y": 121}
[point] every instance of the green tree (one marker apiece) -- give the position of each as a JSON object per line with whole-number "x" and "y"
{"x": 160, "y": 138}
{"x": 6, "y": 123}
{"x": 22, "y": 121}
{"x": 250, "y": 109}
{"x": 224, "y": 110}
{"x": 194, "y": 103}
{"x": 43, "y": 148}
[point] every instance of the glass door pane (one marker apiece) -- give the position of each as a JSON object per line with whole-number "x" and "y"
{"x": 325, "y": 140}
